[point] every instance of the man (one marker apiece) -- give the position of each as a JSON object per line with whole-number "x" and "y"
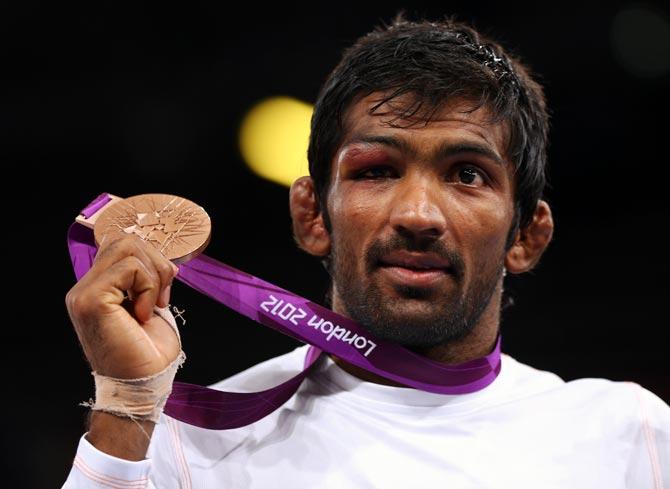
{"x": 427, "y": 163}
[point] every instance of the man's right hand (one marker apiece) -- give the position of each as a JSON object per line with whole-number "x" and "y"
{"x": 121, "y": 336}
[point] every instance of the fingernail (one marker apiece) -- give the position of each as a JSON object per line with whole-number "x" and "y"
{"x": 176, "y": 269}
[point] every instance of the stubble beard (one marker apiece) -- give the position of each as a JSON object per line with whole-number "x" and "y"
{"x": 412, "y": 316}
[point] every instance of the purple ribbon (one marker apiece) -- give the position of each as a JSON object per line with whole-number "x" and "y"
{"x": 299, "y": 318}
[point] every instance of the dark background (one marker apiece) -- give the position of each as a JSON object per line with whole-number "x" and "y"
{"x": 134, "y": 99}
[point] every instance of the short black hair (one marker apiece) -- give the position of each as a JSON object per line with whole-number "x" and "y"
{"x": 434, "y": 63}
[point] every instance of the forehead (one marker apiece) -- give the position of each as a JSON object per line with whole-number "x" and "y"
{"x": 454, "y": 122}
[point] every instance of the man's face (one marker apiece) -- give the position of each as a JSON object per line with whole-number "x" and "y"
{"x": 419, "y": 216}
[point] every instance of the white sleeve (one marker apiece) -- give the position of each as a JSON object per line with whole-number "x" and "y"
{"x": 651, "y": 464}
{"x": 93, "y": 468}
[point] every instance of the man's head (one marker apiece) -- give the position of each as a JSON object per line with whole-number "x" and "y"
{"x": 428, "y": 143}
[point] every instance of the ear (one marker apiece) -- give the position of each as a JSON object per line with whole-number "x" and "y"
{"x": 530, "y": 242}
{"x": 309, "y": 231}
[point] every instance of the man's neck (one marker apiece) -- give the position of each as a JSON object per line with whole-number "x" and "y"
{"x": 478, "y": 343}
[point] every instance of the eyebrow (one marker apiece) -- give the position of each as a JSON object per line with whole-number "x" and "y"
{"x": 445, "y": 150}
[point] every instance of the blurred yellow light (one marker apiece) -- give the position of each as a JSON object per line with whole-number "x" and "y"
{"x": 274, "y": 136}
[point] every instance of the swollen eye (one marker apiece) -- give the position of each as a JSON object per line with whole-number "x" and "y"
{"x": 376, "y": 170}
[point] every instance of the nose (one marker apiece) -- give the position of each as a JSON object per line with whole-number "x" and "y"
{"x": 416, "y": 212}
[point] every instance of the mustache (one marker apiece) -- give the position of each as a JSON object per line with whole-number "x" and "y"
{"x": 397, "y": 242}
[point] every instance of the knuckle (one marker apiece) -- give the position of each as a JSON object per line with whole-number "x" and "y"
{"x": 145, "y": 247}
{"x": 166, "y": 268}
{"x": 138, "y": 264}
{"x": 138, "y": 242}
{"x": 79, "y": 304}
{"x": 70, "y": 299}
{"x": 115, "y": 241}
{"x": 134, "y": 262}
{"x": 119, "y": 244}
{"x": 131, "y": 243}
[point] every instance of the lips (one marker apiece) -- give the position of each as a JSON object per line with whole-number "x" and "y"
{"x": 418, "y": 270}
{"x": 415, "y": 261}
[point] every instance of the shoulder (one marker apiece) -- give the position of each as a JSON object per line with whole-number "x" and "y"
{"x": 617, "y": 396}
{"x": 627, "y": 401}
{"x": 266, "y": 374}
{"x": 624, "y": 410}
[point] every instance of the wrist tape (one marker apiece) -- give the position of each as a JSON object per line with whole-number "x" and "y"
{"x": 140, "y": 399}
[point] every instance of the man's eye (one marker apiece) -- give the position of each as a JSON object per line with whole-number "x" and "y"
{"x": 374, "y": 172}
{"x": 468, "y": 175}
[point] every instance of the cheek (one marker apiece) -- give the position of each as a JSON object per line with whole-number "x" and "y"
{"x": 354, "y": 223}
{"x": 359, "y": 212}
{"x": 355, "y": 214}
{"x": 485, "y": 226}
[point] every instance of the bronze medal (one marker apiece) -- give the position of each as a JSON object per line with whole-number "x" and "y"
{"x": 177, "y": 227}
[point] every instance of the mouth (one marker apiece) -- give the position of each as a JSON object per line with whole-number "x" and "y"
{"x": 415, "y": 270}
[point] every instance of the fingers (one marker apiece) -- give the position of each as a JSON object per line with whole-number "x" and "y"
{"x": 166, "y": 272}
{"x": 160, "y": 270}
{"x": 132, "y": 274}
{"x": 87, "y": 304}
{"x": 116, "y": 334}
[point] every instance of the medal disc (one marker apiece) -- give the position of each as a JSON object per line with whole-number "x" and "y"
{"x": 175, "y": 226}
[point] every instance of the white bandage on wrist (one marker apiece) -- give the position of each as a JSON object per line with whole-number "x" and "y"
{"x": 141, "y": 398}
